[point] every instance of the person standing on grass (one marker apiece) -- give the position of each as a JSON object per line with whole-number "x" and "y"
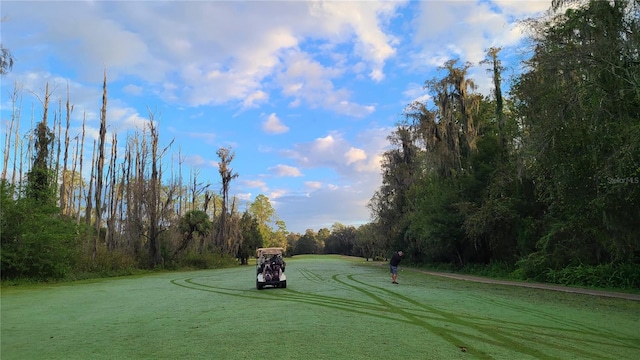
{"x": 393, "y": 265}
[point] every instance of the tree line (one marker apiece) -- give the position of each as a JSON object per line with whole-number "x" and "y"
{"x": 541, "y": 182}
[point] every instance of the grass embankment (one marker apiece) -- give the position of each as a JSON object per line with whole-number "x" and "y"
{"x": 332, "y": 309}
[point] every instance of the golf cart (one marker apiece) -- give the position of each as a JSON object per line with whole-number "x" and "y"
{"x": 270, "y": 268}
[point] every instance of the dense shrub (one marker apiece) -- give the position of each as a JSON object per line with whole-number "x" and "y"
{"x": 206, "y": 260}
{"x": 106, "y": 263}
{"x": 624, "y": 276}
{"x": 36, "y": 242}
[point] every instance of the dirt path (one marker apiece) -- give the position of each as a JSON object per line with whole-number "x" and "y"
{"x": 534, "y": 285}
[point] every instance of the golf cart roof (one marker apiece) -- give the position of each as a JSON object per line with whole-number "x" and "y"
{"x": 269, "y": 251}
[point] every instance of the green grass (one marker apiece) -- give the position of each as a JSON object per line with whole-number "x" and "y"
{"x": 332, "y": 309}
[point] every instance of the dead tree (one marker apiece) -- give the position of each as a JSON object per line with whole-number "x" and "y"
{"x": 63, "y": 188}
{"x": 155, "y": 257}
{"x": 16, "y": 139}
{"x": 14, "y": 99}
{"x": 113, "y": 198}
{"x": 89, "y": 208}
{"x": 226, "y": 173}
{"x": 84, "y": 120}
{"x": 100, "y": 164}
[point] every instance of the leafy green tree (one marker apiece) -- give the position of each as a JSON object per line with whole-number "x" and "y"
{"x": 322, "y": 237}
{"x": 194, "y": 223}
{"x": 369, "y": 243}
{"x": 264, "y": 213}
{"x": 307, "y": 244}
{"x": 292, "y": 242}
{"x": 580, "y": 106}
{"x": 279, "y": 236}
{"x": 36, "y": 241}
{"x": 400, "y": 168}
{"x": 341, "y": 241}
{"x": 435, "y": 232}
{"x": 251, "y": 237}
{"x": 40, "y": 177}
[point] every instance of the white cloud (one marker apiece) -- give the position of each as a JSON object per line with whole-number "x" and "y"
{"x": 415, "y": 93}
{"x": 253, "y": 100}
{"x": 317, "y": 208}
{"x": 308, "y": 80}
{"x": 199, "y": 53}
{"x": 464, "y": 29}
{"x": 523, "y": 7}
{"x": 354, "y": 155}
{"x": 122, "y": 119}
{"x": 276, "y": 194}
{"x": 255, "y": 184}
{"x": 363, "y": 18}
{"x": 348, "y": 159}
{"x": 273, "y": 125}
{"x": 313, "y": 185}
{"x": 285, "y": 170}
{"x": 325, "y": 143}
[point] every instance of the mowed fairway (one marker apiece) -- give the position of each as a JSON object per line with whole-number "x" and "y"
{"x": 333, "y": 308}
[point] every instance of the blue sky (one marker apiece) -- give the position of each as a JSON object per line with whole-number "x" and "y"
{"x": 305, "y": 93}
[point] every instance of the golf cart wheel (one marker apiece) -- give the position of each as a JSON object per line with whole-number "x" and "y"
{"x": 258, "y": 285}
{"x": 283, "y": 284}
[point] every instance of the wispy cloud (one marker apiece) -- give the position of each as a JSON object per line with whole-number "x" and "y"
{"x": 273, "y": 125}
{"x": 285, "y": 170}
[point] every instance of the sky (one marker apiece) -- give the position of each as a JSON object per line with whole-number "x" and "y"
{"x": 304, "y": 92}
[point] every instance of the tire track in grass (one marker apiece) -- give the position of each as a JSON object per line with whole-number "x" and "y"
{"x": 448, "y": 334}
{"x": 506, "y": 339}
{"x": 316, "y": 278}
{"x": 285, "y": 295}
{"x": 509, "y": 335}
{"x": 440, "y": 331}
{"x": 581, "y": 331}
{"x": 349, "y": 305}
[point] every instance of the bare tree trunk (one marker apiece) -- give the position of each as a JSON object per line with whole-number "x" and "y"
{"x": 113, "y": 200}
{"x": 227, "y": 174}
{"x": 88, "y": 197}
{"x": 45, "y": 105}
{"x": 141, "y": 154}
{"x": 155, "y": 258}
{"x": 100, "y": 160}
{"x": 14, "y": 99}
{"x": 129, "y": 196}
{"x": 63, "y": 188}
{"x": 235, "y": 231}
{"x": 84, "y": 120}
{"x": 29, "y": 140}
{"x": 182, "y": 197}
{"x": 7, "y": 143}
{"x": 120, "y": 195}
{"x": 136, "y": 197}
{"x": 72, "y": 194}
{"x": 194, "y": 189}
{"x": 17, "y": 141}
{"x": 58, "y": 142}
